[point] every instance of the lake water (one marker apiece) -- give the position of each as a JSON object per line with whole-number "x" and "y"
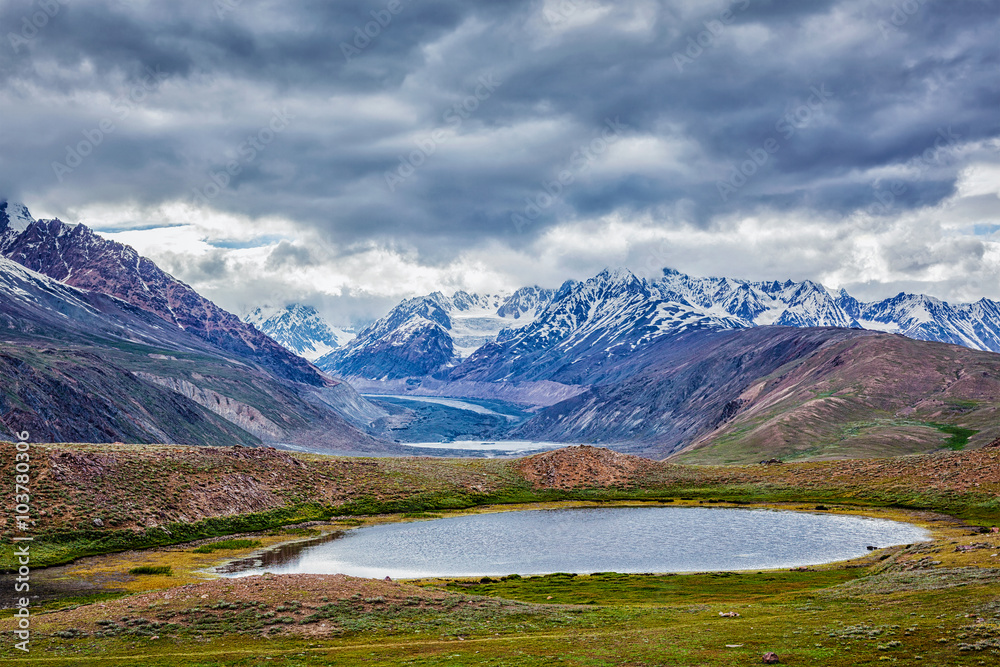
{"x": 501, "y": 446}
{"x": 621, "y": 539}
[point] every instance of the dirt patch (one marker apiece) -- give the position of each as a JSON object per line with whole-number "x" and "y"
{"x": 582, "y": 466}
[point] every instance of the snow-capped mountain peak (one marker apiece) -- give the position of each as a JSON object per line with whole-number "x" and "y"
{"x": 300, "y": 329}
{"x": 425, "y": 334}
{"x": 14, "y": 218}
{"x": 587, "y": 324}
{"x": 537, "y": 334}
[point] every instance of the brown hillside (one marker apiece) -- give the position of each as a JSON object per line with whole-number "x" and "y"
{"x": 868, "y": 396}
{"x": 582, "y": 467}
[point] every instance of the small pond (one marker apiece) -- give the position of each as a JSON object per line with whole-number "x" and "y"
{"x": 619, "y": 539}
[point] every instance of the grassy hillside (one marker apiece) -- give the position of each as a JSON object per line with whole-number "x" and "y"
{"x": 782, "y": 392}
{"x": 89, "y": 499}
{"x": 932, "y": 603}
{"x": 869, "y": 396}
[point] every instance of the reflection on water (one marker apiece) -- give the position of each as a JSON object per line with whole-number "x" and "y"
{"x": 285, "y": 555}
{"x": 620, "y": 539}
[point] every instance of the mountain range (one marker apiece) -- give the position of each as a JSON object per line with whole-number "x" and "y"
{"x": 98, "y": 345}
{"x": 574, "y": 334}
{"x": 424, "y": 335}
{"x": 662, "y": 366}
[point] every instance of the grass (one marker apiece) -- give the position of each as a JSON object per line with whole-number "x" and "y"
{"x": 861, "y": 613}
{"x": 227, "y": 545}
{"x": 152, "y": 569}
{"x": 649, "y": 589}
{"x": 928, "y": 603}
{"x": 959, "y": 436}
{"x": 296, "y": 532}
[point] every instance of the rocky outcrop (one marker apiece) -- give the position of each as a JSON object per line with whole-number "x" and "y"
{"x": 247, "y": 417}
{"x": 582, "y": 467}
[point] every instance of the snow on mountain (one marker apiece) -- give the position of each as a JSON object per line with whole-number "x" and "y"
{"x": 975, "y": 325}
{"x": 18, "y": 217}
{"x": 74, "y": 255}
{"x": 477, "y": 319}
{"x": 805, "y": 304}
{"x": 425, "y": 334}
{"x": 300, "y": 329}
{"x": 572, "y": 334}
{"x": 25, "y": 289}
{"x": 589, "y": 326}
{"x": 584, "y": 326}
{"x": 14, "y": 219}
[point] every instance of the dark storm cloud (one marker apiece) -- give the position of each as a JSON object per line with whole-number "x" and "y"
{"x": 287, "y": 255}
{"x": 183, "y": 97}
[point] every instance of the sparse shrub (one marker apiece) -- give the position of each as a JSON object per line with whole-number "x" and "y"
{"x": 227, "y": 545}
{"x": 152, "y": 569}
{"x": 67, "y": 634}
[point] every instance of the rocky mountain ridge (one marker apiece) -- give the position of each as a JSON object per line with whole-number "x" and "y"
{"x": 423, "y": 335}
{"x": 572, "y": 335}
{"x": 300, "y": 329}
{"x": 73, "y": 254}
{"x": 590, "y": 325}
{"x": 104, "y": 346}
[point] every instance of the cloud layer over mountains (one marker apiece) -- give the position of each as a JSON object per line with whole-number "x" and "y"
{"x": 353, "y": 153}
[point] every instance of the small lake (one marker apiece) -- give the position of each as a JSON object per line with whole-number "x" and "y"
{"x": 619, "y": 539}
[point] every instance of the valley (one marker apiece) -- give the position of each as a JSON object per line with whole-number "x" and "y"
{"x": 635, "y": 333}
{"x": 211, "y": 443}
{"x": 427, "y": 419}
{"x": 701, "y": 370}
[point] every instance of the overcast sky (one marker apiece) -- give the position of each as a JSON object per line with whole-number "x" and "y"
{"x": 348, "y": 154}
